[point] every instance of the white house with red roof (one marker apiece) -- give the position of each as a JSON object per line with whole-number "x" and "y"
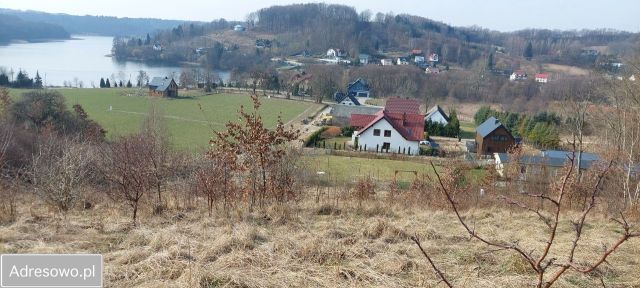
{"x": 542, "y": 77}
{"x": 398, "y": 128}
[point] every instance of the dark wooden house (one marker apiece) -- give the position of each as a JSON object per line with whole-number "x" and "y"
{"x": 359, "y": 88}
{"x": 163, "y": 87}
{"x": 493, "y": 137}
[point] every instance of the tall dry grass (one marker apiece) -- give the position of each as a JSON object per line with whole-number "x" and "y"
{"x": 336, "y": 242}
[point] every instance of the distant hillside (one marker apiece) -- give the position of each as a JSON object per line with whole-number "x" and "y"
{"x": 14, "y": 28}
{"x": 99, "y": 25}
{"x": 315, "y": 28}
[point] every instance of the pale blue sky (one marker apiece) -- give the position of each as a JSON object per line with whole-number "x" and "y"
{"x": 503, "y": 15}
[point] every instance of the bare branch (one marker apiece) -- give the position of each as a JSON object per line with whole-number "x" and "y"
{"x": 433, "y": 265}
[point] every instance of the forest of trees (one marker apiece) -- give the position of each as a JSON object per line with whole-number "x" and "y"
{"x": 96, "y": 25}
{"x": 14, "y": 28}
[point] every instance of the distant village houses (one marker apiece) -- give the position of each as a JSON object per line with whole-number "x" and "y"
{"x": 542, "y": 77}
{"x": 364, "y": 58}
{"x": 518, "y": 76}
{"x": 336, "y": 53}
{"x": 402, "y": 61}
{"x": 386, "y": 62}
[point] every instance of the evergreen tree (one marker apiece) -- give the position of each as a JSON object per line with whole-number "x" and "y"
{"x": 23, "y": 80}
{"x": 102, "y": 84}
{"x": 121, "y": 84}
{"x": 528, "y": 52}
{"x": 482, "y": 115}
{"x": 454, "y": 124}
{"x": 148, "y": 40}
{"x": 107, "y": 84}
{"x": 490, "y": 63}
{"x": 4, "y": 80}
{"x": 38, "y": 81}
{"x": 129, "y": 85}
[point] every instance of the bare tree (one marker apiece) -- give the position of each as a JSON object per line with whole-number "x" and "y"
{"x": 541, "y": 262}
{"x": 59, "y": 169}
{"x": 622, "y": 128}
{"x": 126, "y": 166}
{"x": 157, "y": 152}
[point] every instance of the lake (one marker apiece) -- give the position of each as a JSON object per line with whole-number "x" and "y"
{"x": 83, "y": 58}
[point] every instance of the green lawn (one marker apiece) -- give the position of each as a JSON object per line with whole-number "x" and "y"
{"x": 190, "y": 121}
{"x": 467, "y": 130}
{"x": 342, "y": 169}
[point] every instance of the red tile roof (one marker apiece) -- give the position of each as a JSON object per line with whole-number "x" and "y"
{"x": 542, "y": 75}
{"x": 402, "y": 105}
{"x": 361, "y": 120}
{"x": 410, "y": 126}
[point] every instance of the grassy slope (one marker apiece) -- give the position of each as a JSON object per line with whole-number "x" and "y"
{"x": 358, "y": 247}
{"x": 189, "y": 127}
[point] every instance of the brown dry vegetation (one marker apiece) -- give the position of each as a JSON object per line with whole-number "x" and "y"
{"x": 312, "y": 244}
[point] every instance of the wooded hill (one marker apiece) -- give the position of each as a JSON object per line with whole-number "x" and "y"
{"x": 317, "y": 27}
{"x": 14, "y": 28}
{"x": 98, "y": 25}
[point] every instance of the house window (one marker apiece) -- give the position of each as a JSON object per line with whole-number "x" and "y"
{"x": 387, "y": 133}
{"x": 386, "y": 146}
{"x": 376, "y": 132}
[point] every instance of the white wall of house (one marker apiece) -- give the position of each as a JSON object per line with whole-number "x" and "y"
{"x": 541, "y": 80}
{"x": 437, "y": 118}
{"x": 396, "y": 140}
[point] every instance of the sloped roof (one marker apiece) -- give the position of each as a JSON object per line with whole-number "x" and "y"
{"x": 548, "y": 160}
{"x": 339, "y": 97}
{"x": 542, "y": 75}
{"x": 403, "y": 105}
{"x": 361, "y": 120}
{"x": 363, "y": 81}
{"x": 410, "y": 126}
{"x": 160, "y": 83}
{"x": 488, "y": 126}
{"x": 435, "y": 109}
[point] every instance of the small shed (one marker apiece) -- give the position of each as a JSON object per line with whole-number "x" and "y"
{"x": 163, "y": 87}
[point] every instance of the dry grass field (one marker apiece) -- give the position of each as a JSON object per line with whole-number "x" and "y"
{"x": 310, "y": 244}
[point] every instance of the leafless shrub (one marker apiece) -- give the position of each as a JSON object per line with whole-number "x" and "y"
{"x": 128, "y": 169}
{"x": 214, "y": 180}
{"x": 364, "y": 190}
{"x": 540, "y": 262}
{"x": 60, "y": 168}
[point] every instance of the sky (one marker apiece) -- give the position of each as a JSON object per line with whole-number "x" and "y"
{"x": 502, "y": 15}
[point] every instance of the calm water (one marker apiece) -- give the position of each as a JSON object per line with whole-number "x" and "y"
{"x": 83, "y": 59}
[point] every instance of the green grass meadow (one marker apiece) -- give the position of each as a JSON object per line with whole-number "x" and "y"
{"x": 189, "y": 120}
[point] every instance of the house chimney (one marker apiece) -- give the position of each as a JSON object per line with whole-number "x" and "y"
{"x": 404, "y": 119}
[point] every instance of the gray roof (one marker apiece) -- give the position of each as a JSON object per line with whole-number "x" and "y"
{"x": 435, "y": 109}
{"x": 551, "y": 161}
{"x": 488, "y": 126}
{"x": 160, "y": 83}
